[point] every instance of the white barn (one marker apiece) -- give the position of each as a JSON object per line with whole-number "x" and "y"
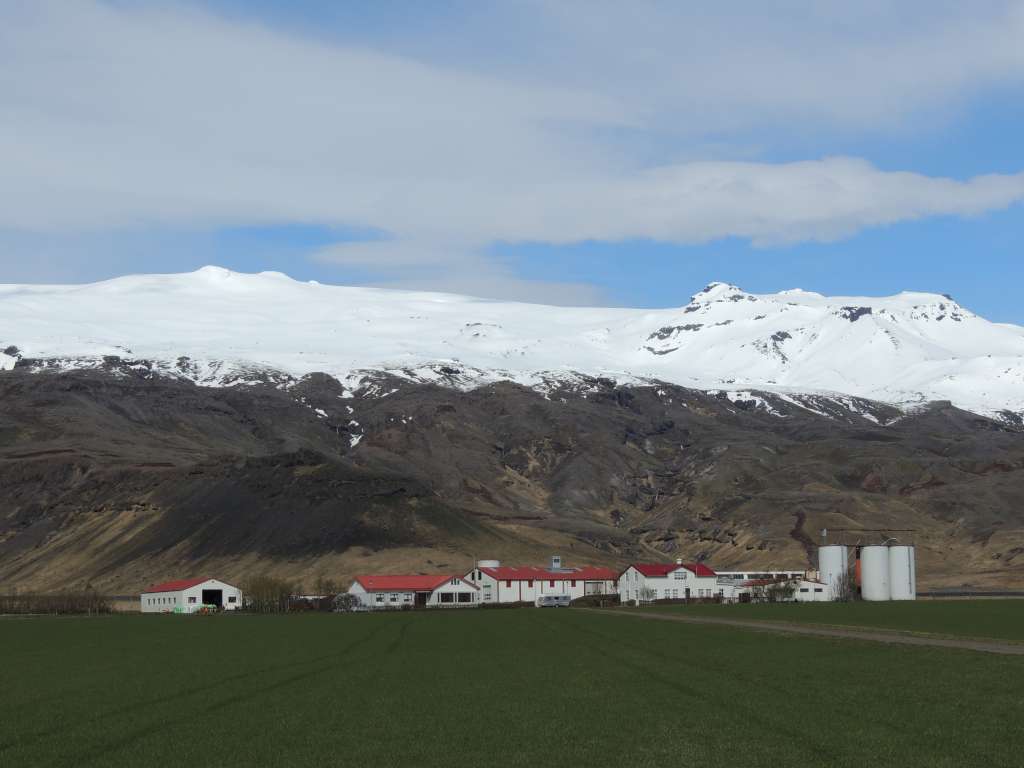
{"x": 394, "y": 592}
{"x": 667, "y": 581}
{"x": 504, "y": 584}
{"x": 189, "y": 596}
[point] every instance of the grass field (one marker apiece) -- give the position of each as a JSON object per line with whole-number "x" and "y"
{"x": 496, "y": 688}
{"x": 996, "y": 619}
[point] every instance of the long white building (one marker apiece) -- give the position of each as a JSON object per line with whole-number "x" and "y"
{"x": 645, "y": 582}
{"x": 396, "y": 592}
{"x": 505, "y": 584}
{"x": 189, "y": 596}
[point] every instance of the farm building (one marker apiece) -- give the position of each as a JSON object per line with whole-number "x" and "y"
{"x": 678, "y": 581}
{"x": 505, "y": 584}
{"x": 391, "y": 592}
{"x": 812, "y": 591}
{"x": 189, "y": 596}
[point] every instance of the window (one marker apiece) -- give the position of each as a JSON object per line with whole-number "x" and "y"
{"x": 817, "y": 589}
{"x": 192, "y": 600}
{"x": 232, "y": 599}
{"x": 529, "y": 583}
{"x": 379, "y": 598}
{"x": 804, "y": 589}
{"x": 680, "y": 574}
{"x": 464, "y": 597}
{"x": 454, "y": 582}
{"x": 551, "y": 583}
{"x": 508, "y": 583}
{"x": 675, "y": 593}
{"x": 572, "y": 583}
{"x": 394, "y": 598}
{"x": 447, "y": 597}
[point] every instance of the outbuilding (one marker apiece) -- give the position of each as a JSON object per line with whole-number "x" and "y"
{"x": 190, "y": 595}
{"x": 393, "y": 592}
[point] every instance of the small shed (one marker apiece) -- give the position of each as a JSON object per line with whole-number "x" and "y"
{"x": 190, "y": 595}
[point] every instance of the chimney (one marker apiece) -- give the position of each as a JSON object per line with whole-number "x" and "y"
{"x": 679, "y": 561}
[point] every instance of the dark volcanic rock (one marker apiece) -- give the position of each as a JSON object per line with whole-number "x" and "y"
{"x": 115, "y": 478}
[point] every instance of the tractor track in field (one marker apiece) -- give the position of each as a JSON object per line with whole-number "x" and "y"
{"x": 1005, "y": 648}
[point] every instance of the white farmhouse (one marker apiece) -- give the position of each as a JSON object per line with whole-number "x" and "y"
{"x": 505, "y": 584}
{"x": 384, "y": 592}
{"x": 666, "y": 581}
{"x": 189, "y": 596}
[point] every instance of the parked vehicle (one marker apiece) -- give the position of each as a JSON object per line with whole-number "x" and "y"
{"x": 553, "y": 601}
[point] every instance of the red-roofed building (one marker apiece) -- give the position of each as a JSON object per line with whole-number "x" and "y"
{"x": 529, "y": 584}
{"x": 190, "y": 595}
{"x": 645, "y": 582}
{"x": 385, "y": 592}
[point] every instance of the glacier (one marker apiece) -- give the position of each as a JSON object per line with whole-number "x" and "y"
{"x": 217, "y": 327}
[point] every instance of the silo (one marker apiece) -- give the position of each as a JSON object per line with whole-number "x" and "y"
{"x": 902, "y": 573}
{"x": 874, "y": 573}
{"x": 833, "y": 565}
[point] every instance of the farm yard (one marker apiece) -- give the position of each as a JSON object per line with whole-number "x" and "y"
{"x": 495, "y": 687}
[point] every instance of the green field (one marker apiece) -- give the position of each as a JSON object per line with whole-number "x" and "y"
{"x": 489, "y": 688}
{"x": 995, "y": 619}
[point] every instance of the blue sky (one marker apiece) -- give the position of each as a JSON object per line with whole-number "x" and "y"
{"x": 572, "y": 152}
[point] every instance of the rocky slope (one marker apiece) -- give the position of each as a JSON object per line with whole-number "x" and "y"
{"x": 117, "y": 477}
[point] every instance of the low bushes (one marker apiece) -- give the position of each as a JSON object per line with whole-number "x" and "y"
{"x": 85, "y": 602}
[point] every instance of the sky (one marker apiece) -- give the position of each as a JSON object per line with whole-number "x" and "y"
{"x": 558, "y": 151}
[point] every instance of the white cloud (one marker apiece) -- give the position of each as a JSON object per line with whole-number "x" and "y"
{"x": 115, "y": 117}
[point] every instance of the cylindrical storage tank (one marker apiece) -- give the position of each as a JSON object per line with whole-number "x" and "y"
{"x": 874, "y": 573}
{"x": 833, "y": 565}
{"x": 488, "y": 564}
{"x": 902, "y": 573}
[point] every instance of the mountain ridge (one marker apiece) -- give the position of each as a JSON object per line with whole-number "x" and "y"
{"x": 216, "y": 327}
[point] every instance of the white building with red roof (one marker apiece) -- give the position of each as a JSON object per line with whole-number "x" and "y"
{"x": 394, "y": 592}
{"x": 529, "y": 584}
{"x": 190, "y": 595}
{"x": 670, "y": 581}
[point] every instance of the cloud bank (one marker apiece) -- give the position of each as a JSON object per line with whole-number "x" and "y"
{"x": 120, "y": 117}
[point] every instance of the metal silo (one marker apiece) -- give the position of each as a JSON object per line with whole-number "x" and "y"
{"x": 874, "y": 573}
{"x": 902, "y": 573}
{"x": 833, "y": 565}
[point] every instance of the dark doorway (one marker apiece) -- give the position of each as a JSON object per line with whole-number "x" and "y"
{"x": 687, "y": 593}
{"x": 213, "y": 597}
{"x": 421, "y": 599}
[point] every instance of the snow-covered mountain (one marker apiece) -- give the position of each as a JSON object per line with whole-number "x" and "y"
{"x": 218, "y": 327}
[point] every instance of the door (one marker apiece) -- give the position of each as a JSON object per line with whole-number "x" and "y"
{"x": 421, "y": 599}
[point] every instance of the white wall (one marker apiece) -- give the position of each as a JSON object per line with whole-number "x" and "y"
{"x": 528, "y": 590}
{"x": 384, "y": 600}
{"x": 812, "y": 592}
{"x": 673, "y": 586}
{"x": 191, "y": 599}
{"x": 454, "y": 586}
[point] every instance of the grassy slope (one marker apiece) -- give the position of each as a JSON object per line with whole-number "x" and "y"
{"x": 522, "y": 687}
{"x": 997, "y": 619}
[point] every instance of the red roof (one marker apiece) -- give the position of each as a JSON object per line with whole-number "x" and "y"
{"x": 530, "y": 573}
{"x": 659, "y": 570}
{"x": 406, "y": 583}
{"x": 176, "y": 586}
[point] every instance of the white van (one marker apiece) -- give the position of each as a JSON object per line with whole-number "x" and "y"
{"x": 553, "y": 601}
